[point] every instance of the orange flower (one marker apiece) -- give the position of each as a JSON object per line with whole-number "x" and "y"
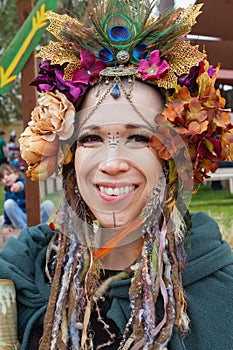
{"x": 198, "y": 116}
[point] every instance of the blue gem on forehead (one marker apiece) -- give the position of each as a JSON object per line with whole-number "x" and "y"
{"x": 116, "y": 93}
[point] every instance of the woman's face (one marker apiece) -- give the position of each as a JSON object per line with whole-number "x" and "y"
{"x": 115, "y": 166}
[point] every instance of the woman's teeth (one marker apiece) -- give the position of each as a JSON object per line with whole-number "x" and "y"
{"x": 116, "y": 191}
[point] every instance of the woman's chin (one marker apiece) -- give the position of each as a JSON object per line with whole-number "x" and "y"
{"x": 115, "y": 220}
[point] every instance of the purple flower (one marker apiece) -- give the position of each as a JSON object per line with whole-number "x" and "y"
{"x": 211, "y": 71}
{"x": 91, "y": 68}
{"x": 189, "y": 79}
{"x": 50, "y": 78}
{"x": 153, "y": 68}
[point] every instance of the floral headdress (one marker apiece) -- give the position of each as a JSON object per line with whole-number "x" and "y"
{"x": 123, "y": 36}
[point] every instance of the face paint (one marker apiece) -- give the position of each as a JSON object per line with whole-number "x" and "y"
{"x": 116, "y": 170}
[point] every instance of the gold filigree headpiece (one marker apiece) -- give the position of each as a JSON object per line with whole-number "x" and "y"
{"x": 125, "y": 32}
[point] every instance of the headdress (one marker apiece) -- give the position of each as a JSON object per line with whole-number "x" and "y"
{"x": 125, "y": 39}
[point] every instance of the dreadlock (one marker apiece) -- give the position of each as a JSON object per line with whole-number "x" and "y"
{"x": 155, "y": 283}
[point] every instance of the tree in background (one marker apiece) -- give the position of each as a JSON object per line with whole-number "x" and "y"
{"x": 10, "y": 106}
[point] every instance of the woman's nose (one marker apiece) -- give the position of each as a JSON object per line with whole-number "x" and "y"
{"x": 114, "y": 166}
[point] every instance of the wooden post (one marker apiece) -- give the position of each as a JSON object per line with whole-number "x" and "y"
{"x": 29, "y": 100}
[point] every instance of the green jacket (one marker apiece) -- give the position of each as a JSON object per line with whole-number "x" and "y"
{"x": 208, "y": 283}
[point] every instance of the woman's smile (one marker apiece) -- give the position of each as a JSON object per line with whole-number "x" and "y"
{"x": 115, "y": 192}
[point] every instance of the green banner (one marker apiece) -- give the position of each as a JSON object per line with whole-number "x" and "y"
{"x": 23, "y": 44}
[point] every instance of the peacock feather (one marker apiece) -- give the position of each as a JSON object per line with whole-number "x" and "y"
{"x": 127, "y": 25}
{"x": 125, "y": 32}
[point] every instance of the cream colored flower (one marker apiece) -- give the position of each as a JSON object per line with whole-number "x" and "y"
{"x": 34, "y": 148}
{"x": 43, "y": 169}
{"x": 54, "y": 116}
{"x": 51, "y": 121}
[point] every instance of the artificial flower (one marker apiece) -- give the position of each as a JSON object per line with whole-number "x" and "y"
{"x": 50, "y": 78}
{"x": 38, "y": 154}
{"x": 228, "y": 136}
{"x": 208, "y": 148}
{"x": 160, "y": 146}
{"x": 91, "y": 68}
{"x": 51, "y": 121}
{"x": 211, "y": 71}
{"x": 153, "y": 68}
{"x": 43, "y": 169}
{"x": 187, "y": 118}
{"x": 189, "y": 80}
{"x": 197, "y": 115}
{"x": 54, "y": 116}
{"x": 166, "y": 141}
{"x": 171, "y": 147}
{"x": 222, "y": 119}
{"x": 34, "y": 147}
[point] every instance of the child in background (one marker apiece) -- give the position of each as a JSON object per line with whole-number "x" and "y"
{"x": 15, "y": 202}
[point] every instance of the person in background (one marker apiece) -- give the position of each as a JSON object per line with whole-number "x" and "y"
{"x": 13, "y": 149}
{"x": 4, "y": 156}
{"x": 15, "y": 216}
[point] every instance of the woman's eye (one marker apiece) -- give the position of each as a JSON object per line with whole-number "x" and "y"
{"x": 90, "y": 140}
{"x": 139, "y": 138}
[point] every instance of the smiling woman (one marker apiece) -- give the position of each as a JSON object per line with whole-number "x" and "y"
{"x": 130, "y": 118}
{"x": 114, "y": 162}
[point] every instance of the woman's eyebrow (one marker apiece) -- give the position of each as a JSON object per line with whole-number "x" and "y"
{"x": 90, "y": 127}
{"x": 127, "y": 126}
{"x": 137, "y": 126}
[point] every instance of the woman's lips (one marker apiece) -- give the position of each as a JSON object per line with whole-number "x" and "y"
{"x": 115, "y": 192}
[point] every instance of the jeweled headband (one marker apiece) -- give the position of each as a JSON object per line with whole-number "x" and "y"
{"x": 126, "y": 40}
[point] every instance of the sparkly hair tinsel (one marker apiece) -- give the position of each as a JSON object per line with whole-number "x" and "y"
{"x": 157, "y": 299}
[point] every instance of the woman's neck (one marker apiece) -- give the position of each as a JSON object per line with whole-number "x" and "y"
{"x": 121, "y": 257}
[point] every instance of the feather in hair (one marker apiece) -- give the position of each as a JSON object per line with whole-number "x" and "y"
{"x": 126, "y": 25}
